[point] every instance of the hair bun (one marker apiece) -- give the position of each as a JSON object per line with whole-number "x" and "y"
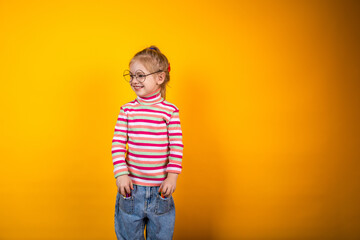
{"x": 154, "y": 48}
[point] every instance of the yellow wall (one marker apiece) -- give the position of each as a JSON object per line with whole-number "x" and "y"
{"x": 268, "y": 93}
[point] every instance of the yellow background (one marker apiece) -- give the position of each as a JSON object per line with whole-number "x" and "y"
{"x": 268, "y": 93}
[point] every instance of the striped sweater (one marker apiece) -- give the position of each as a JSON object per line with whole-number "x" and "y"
{"x": 150, "y": 127}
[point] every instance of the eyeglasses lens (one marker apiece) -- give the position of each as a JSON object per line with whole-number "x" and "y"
{"x": 127, "y": 75}
{"x": 140, "y": 76}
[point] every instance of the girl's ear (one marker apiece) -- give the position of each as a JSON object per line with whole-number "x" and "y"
{"x": 160, "y": 78}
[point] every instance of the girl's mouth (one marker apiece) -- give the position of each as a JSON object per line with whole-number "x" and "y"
{"x": 137, "y": 87}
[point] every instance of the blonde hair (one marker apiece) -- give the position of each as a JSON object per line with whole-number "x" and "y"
{"x": 153, "y": 60}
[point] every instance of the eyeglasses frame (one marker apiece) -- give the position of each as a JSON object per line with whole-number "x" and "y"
{"x": 132, "y": 78}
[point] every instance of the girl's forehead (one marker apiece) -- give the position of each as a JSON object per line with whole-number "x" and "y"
{"x": 137, "y": 65}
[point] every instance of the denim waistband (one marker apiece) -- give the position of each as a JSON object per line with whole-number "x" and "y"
{"x": 140, "y": 186}
{"x": 147, "y": 190}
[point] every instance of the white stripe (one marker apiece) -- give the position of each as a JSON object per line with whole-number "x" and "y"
{"x": 147, "y": 160}
{"x": 120, "y": 128}
{"x": 175, "y": 131}
{"x": 177, "y": 119}
{"x": 146, "y": 135}
{"x": 119, "y": 168}
{"x": 146, "y": 147}
{"x": 117, "y": 148}
{"x": 118, "y": 159}
{"x": 165, "y": 106}
{"x": 147, "y": 124}
{"x": 175, "y": 169}
{"x": 150, "y": 100}
{"x": 174, "y": 163}
{"x": 119, "y": 138}
{"x": 176, "y": 153}
{"x": 149, "y": 113}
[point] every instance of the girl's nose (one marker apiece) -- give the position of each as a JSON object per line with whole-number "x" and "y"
{"x": 134, "y": 81}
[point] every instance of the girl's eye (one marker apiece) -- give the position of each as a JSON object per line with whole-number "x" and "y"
{"x": 141, "y": 75}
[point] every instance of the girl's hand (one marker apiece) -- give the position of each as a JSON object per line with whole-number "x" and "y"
{"x": 124, "y": 184}
{"x": 168, "y": 186}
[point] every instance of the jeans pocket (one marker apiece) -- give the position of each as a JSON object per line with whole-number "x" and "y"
{"x": 163, "y": 205}
{"x": 127, "y": 204}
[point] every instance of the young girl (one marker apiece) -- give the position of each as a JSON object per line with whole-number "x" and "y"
{"x": 146, "y": 170}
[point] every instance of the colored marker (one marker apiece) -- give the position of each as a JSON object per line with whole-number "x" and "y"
{"x": 162, "y": 195}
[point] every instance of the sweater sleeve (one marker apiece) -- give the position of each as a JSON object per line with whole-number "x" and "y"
{"x": 118, "y": 149}
{"x": 175, "y": 144}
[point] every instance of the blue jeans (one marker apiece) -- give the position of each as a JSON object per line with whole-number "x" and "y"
{"x": 144, "y": 207}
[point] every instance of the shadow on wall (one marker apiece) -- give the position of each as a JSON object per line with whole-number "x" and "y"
{"x": 200, "y": 195}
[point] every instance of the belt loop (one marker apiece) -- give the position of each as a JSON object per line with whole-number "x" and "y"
{"x": 147, "y": 192}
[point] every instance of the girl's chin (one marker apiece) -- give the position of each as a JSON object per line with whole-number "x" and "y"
{"x": 140, "y": 93}
{"x": 138, "y": 90}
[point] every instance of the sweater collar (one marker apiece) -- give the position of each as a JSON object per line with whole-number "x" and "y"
{"x": 150, "y": 99}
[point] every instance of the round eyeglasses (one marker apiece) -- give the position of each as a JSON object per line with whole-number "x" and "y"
{"x": 139, "y": 75}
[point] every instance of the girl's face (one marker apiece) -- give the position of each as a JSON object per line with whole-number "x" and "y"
{"x": 150, "y": 85}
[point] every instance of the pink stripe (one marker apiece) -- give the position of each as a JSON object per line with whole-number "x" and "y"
{"x": 121, "y": 150}
{"x": 179, "y": 145}
{"x": 156, "y": 94}
{"x": 173, "y": 165}
{"x": 147, "y": 156}
{"x": 149, "y": 98}
{"x": 152, "y": 179}
{"x": 149, "y": 133}
{"x": 145, "y": 120}
{"x": 119, "y": 141}
{"x": 175, "y": 134}
{"x": 149, "y": 144}
{"x": 147, "y": 168}
{"x": 147, "y": 110}
{"x": 176, "y": 156}
{"x": 118, "y": 162}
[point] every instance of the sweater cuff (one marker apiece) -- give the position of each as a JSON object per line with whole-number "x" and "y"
{"x": 121, "y": 173}
{"x": 173, "y": 168}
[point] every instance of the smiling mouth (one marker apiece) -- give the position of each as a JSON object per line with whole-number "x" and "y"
{"x": 136, "y": 87}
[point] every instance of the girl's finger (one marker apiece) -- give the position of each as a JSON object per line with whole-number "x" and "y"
{"x": 164, "y": 190}
{"x": 168, "y": 191}
{"x": 127, "y": 189}
{"x": 122, "y": 191}
{"x": 172, "y": 191}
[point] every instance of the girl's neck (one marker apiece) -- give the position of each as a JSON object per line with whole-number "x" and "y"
{"x": 152, "y": 98}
